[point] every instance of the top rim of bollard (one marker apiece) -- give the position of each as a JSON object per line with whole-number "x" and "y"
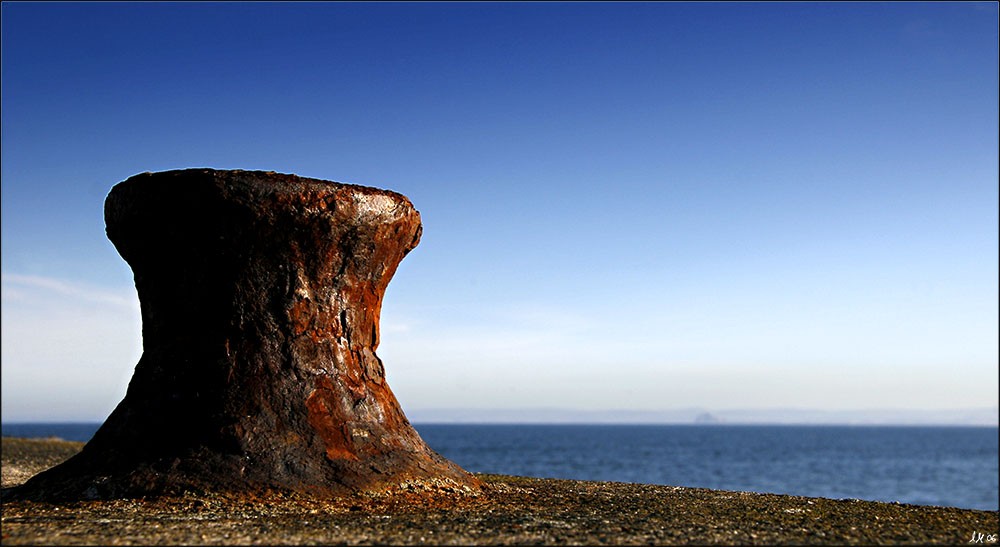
{"x": 273, "y": 177}
{"x": 162, "y": 190}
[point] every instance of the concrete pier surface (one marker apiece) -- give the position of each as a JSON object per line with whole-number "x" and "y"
{"x": 506, "y": 511}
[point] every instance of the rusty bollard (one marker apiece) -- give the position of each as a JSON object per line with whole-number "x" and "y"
{"x": 260, "y": 297}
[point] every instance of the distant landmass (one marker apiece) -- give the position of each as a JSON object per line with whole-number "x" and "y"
{"x": 790, "y": 416}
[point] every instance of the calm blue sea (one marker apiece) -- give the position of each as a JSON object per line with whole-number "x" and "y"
{"x": 950, "y": 466}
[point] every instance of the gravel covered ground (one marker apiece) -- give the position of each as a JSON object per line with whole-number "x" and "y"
{"x": 509, "y": 510}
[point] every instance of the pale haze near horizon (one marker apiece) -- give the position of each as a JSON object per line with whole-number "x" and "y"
{"x": 626, "y": 206}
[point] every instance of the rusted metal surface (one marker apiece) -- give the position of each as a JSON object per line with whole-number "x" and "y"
{"x": 260, "y": 297}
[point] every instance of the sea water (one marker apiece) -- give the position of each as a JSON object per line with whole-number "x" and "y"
{"x": 948, "y": 466}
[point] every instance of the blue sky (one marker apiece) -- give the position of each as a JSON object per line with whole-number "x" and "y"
{"x": 625, "y": 205}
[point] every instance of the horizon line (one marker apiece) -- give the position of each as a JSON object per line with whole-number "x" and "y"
{"x": 985, "y": 416}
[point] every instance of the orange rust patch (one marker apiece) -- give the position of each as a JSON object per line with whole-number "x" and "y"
{"x": 300, "y": 316}
{"x": 328, "y": 422}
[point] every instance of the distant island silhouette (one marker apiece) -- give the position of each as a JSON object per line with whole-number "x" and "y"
{"x": 987, "y": 417}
